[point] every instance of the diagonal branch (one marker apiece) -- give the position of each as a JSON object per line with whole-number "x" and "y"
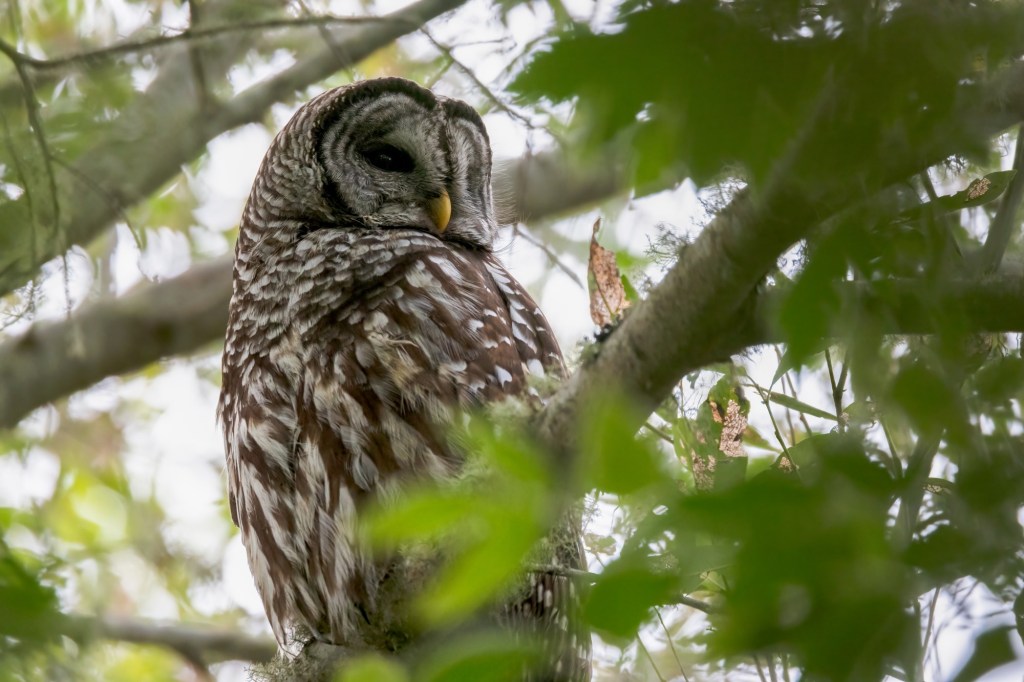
{"x": 188, "y": 35}
{"x": 678, "y": 328}
{"x": 165, "y": 129}
{"x": 194, "y": 642}
{"x": 113, "y": 337}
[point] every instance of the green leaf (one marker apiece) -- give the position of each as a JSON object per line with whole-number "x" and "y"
{"x": 623, "y": 595}
{"x": 799, "y": 406}
{"x": 930, "y": 401}
{"x": 631, "y": 293}
{"x": 28, "y": 609}
{"x": 753, "y": 438}
{"x": 372, "y": 668}
{"x": 616, "y": 461}
{"x": 484, "y": 656}
{"x": 683, "y": 121}
{"x": 424, "y": 515}
{"x": 507, "y": 451}
{"x": 788, "y": 362}
{"x": 475, "y": 575}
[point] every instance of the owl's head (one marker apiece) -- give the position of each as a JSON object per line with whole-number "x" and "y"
{"x": 379, "y": 154}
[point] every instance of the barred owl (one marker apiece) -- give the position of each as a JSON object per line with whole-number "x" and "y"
{"x": 367, "y": 308}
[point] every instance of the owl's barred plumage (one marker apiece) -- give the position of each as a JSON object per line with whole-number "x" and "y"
{"x": 367, "y": 309}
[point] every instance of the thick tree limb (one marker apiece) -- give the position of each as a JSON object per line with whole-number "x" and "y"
{"x": 547, "y": 184}
{"x": 195, "y": 642}
{"x": 679, "y": 326}
{"x": 112, "y": 337}
{"x": 165, "y": 129}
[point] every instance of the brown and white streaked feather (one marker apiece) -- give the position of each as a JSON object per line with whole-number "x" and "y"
{"x": 356, "y": 331}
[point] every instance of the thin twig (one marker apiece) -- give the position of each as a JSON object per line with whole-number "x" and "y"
{"x": 196, "y": 643}
{"x": 658, "y": 432}
{"x": 760, "y": 673}
{"x": 590, "y": 578}
{"x": 765, "y": 399}
{"x": 519, "y": 231}
{"x": 896, "y": 466}
{"x": 788, "y": 379}
{"x": 837, "y": 387}
{"x": 671, "y": 645}
{"x": 190, "y": 34}
{"x": 468, "y": 72}
{"x": 336, "y": 48}
{"x": 918, "y": 468}
{"x": 654, "y": 666}
{"x": 111, "y": 199}
{"x": 928, "y": 629}
{"x": 195, "y": 59}
{"x": 35, "y": 121}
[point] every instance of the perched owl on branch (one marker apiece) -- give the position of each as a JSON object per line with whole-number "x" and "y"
{"x": 368, "y": 308}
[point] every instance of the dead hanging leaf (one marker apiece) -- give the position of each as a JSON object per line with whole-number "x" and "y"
{"x": 607, "y": 293}
{"x": 734, "y": 423}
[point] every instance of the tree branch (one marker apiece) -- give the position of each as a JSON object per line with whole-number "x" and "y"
{"x": 188, "y": 35}
{"x": 679, "y": 327}
{"x": 165, "y": 129}
{"x": 112, "y": 337}
{"x": 194, "y": 642}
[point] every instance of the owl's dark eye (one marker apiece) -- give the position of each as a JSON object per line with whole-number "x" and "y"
{"x": 388, "y": 158}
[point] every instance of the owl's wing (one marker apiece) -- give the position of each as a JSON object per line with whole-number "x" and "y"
{"x": 360, "y": 401}
{"x": 258, "y": 408}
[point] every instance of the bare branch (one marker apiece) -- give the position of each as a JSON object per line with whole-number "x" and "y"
{"x": 112, "y": 337}
{"x": 165, "y": 129}
{"x": 197, "y": 643}
{"x": 548, "y": 184}
{"x": 91, "y": 57}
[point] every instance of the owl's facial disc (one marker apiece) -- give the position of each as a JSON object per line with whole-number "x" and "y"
{"x": 396, "y": 156}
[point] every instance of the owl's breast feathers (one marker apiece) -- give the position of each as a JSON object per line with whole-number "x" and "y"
{"x": 379, "y": 337}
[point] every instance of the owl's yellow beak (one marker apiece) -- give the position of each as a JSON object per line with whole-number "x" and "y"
{"x": 440, "y": 210}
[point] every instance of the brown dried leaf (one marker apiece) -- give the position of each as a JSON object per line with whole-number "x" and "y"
{"x": 734, "y": 423}
{"x": 607, "y": 295}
